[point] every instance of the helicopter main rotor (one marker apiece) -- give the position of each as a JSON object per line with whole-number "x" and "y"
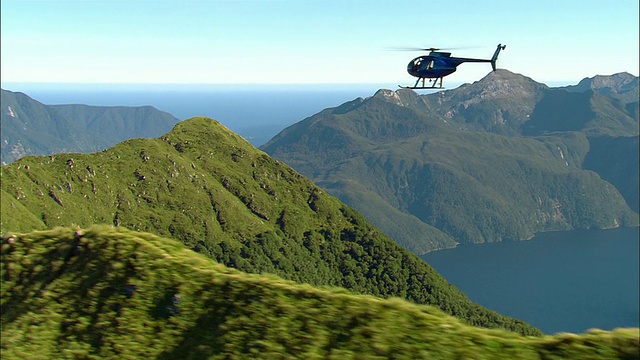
{"x": 430, "y": 49}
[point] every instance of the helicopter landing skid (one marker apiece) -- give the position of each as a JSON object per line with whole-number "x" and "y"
{"x": 433, "y": 86}
{"x": 421, "y": 87}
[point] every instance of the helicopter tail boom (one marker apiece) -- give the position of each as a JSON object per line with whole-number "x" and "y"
{"x": 494, "y": 58}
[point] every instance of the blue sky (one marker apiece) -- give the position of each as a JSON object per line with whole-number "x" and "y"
{"x": 307, "y": 42}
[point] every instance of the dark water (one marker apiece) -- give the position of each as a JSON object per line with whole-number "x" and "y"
{"x": 563, "y": 281}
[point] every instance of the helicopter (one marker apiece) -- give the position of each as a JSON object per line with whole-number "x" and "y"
{"x": 437, "y": 65}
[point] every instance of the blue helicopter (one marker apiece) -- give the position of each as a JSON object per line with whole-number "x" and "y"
{"x": 439, "y": 64}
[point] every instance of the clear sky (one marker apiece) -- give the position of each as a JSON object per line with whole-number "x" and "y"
{"x": 320, "y": 41}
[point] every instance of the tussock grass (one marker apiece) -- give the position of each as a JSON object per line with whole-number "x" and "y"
{"x": 106, "y": 292}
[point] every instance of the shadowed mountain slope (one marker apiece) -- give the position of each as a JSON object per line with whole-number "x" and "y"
{"x": 455, "y": 162}
{"x": 616, "y": 160}
{"x": 222, "y": 197}
{"x": 32, "y": 128}
{"x": 108, "y": 292}
{"x": 588, "y": 112}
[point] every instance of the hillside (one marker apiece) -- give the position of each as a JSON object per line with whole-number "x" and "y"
{"x": 32, "y": 128}
{"x": 106, "y": 292}
{"x": 500, "y": 159}
{"x": 207, "y": 187}
{"x": 616, "y": 160}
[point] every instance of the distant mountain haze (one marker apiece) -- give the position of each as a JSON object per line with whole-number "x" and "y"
{"x": 500, "y": 159}
{"x": 32, "y": 128}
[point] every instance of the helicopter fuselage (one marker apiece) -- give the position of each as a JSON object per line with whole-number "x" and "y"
{"x": 436, "y": 65}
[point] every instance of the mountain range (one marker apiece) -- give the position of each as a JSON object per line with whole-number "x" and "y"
{"x": 107, "y": 292}
{"x": 81, "y": 290}
{"x": 32, "y": 128}
{"x": 500, "y": 159}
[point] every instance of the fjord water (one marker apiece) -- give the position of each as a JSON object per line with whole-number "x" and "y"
{"x": 567, "y": 281}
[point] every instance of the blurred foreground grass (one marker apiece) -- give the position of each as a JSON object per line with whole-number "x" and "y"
{"x": 107, "y": 292}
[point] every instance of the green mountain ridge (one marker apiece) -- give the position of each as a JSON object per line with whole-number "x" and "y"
{"x": 207, "y": 187}
{"x": 499, "y": 159}
{"x": 32, "y": 128}
{"x": 108, "y": 292}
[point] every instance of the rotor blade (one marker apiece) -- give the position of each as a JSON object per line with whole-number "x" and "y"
{"x": 408, "y": 48}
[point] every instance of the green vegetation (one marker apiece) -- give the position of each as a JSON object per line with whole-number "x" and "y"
{"x": 455, "y": 166}
{"x": 107, "y": 292}
{"x": 207, "y": 187}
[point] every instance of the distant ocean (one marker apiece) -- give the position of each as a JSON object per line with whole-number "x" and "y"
{"x": 256, "y": 112}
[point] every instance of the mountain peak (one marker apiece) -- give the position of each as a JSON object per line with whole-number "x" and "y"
{"x": 623, "y": 86}
{"x": 616, "y": 81}
{"x": 387, "y": 95}
{"x": 402, "y": 97}
{"x": 499, "y": 84}
{"x": 506, "y": 82}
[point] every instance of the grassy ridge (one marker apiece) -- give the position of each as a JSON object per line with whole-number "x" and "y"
{"x": 207, "y": 187}
{"x": 109, "y": 292}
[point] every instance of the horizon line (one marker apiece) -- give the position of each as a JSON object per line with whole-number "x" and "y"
{"x": 278, "y": 84}
{"x": 273, "y": 86}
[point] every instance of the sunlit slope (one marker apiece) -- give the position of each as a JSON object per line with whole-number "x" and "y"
{"x": 107, "y": 292}
{"x": 209, "y": 188}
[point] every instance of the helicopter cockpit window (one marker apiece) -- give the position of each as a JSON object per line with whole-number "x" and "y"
{"x": 430, "y": 65}
{"x": 416, "y": 64}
